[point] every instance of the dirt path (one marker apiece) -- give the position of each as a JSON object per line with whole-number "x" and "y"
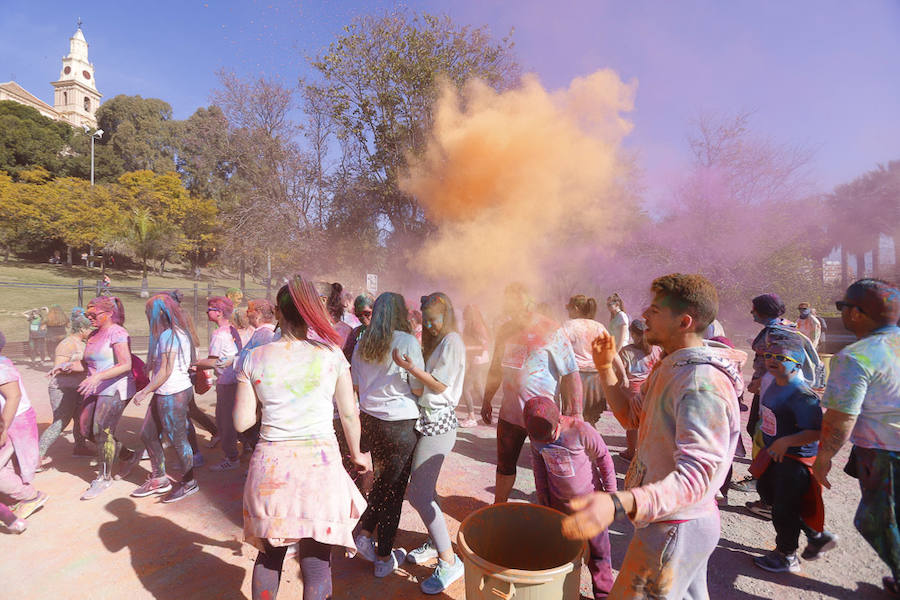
{"x": 119, "y": 547}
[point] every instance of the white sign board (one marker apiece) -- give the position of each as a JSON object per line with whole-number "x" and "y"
{"x": 372, "y": 283}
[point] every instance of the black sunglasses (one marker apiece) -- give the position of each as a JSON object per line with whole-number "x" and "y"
{"x": 841, "y": 305}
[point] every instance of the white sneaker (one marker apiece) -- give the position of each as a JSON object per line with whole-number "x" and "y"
{"x": 365, "y": 547}
{"x": 422, "y": 554}
{"x": 383, "y": 568}
{"x": 225, "y": 465}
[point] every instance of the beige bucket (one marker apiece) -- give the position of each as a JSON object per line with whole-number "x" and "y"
{"x": 517, "y": 550}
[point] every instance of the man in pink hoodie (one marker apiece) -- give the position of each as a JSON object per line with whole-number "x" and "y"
{"x": 688, "y": 426}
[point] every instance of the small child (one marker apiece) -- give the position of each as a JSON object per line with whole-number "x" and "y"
{"x": 790, "y": 421}
{"x": 570, "y": 459}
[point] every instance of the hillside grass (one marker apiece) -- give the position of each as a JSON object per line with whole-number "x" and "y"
{"x": 16, "y": 300}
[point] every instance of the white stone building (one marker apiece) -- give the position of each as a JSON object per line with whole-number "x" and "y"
{"x": 75, "y": 96}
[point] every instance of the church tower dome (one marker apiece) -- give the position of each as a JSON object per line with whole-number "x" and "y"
{"x": 75, "y": 95}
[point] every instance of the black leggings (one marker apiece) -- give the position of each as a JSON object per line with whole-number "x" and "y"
{"x": 315, "y": 565}
{"x": 392, "y": 444}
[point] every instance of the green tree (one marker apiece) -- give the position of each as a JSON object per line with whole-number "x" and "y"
{"x": 190, "y": 219}
{"x": 140, "y": 131}
{"x": 381, "y": 77}
{"x": 144, "y": 238}
{"x": 27, "y": 139}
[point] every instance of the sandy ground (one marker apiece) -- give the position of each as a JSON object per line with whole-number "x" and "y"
{"x": 119, "y": 547}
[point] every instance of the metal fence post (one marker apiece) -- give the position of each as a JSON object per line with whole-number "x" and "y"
{"x": 208, "y": 322}
{"x": 196, "y": 300}
{"x": 81, "y": 292}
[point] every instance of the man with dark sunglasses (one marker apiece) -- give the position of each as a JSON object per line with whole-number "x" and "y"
{"x": 863, "y": 405}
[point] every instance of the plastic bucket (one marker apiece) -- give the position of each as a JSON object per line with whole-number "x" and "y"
{"x": 517, "y": 550}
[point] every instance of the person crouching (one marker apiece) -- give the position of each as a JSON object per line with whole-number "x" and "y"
{"x": 570, "y": 459}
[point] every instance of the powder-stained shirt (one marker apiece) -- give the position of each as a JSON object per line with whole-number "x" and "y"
{"x": 385, "y": 389}
{"x": 99, "y": 356}
{"x": 263, "y": 334}
{"x": 177, "y": 344}
{"x": 581, "y": 334}
{"x": 865, "y": 381}
{"x": 789, "y": 409}
{"x": 222, "y": 346}
{"x": 639, "y": 364}
{"x": 447, "y": 364}
{"x": 8, "y": 374}
{"x": 294, "y": 381}
{"x": 533, "y": 360}
{"x": 688, "y": 427}
{"x": 576, "y": 463}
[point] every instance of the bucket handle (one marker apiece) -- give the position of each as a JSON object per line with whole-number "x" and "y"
{"x": 507, "y": 595}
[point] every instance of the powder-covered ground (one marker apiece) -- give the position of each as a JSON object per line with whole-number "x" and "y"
{"x": 119, "y": 547}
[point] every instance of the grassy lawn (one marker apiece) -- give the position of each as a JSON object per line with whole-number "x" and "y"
{"x": 15, "y": 300}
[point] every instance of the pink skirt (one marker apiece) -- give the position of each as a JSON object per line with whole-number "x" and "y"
{"x": 299, "y": 489}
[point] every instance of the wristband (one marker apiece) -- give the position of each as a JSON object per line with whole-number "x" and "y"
{"x": 619, "y": 509}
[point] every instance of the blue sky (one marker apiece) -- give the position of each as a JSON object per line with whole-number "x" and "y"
{"x": 822, "y": 74}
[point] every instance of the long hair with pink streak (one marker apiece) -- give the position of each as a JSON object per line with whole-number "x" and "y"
{"x": 300, "y": 305}
{"x": 164, "y": 313}
{"x": 112, "y": 305}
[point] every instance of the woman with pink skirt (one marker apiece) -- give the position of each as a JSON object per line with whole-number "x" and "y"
{"x": 297, "y": 491}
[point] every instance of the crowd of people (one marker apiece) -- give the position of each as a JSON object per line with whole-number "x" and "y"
{"x": 347, "y": 405}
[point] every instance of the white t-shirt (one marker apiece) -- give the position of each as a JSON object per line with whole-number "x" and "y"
{"x": 294, "y": 382}
{"x": 447, "y": 364}
{"x": 179, "y": 345}
{"x": 385, "y": 390}
{"x": 9, "y": 373}
{"x": 222, "y": 345}
{"x": 615, "y": 324}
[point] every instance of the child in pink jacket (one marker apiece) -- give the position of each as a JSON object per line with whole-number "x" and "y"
{"x": 570, "y": 459}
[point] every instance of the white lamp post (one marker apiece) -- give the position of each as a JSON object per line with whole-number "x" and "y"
{"x": 97, "y": 134}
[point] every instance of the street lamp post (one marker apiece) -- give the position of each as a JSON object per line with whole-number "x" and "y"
{"x": 97, "y": 134}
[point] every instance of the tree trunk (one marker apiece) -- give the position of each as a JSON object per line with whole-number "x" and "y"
{"x": 243, "y": 271}
{"x": 69, "y": 256}
{"x": 145, "y": 291}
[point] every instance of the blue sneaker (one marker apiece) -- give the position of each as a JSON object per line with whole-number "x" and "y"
{"x": 444, "y": 575}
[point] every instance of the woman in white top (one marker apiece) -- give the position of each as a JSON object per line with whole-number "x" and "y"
{"x": 297, "y": 491}
{"x": 388, "y": 403}
{"x": 443, "y": 379}
{"x": 173, "y": 343}
{"x": 618, "y": 321}
{"x": 582, "y": 329}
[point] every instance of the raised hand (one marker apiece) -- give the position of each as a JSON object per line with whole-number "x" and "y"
{"x": 603, "y": 350}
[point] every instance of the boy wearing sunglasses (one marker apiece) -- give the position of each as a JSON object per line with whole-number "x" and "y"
{"x": 790, "y": 422}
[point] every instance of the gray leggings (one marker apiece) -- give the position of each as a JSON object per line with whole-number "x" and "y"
{"x": 429, "y": 455}
{"x": 64, "y": 401}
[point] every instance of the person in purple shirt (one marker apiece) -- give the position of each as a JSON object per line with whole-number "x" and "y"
{"x": 570, "y": 459}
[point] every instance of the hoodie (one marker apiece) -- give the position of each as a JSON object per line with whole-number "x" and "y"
{"x": 688, "y": 427}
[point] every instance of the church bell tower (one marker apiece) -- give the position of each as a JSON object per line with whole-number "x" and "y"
{"x": 75, "y": 94}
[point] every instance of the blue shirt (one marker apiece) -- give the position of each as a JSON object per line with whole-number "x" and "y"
{"x": 789, "y": 409}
